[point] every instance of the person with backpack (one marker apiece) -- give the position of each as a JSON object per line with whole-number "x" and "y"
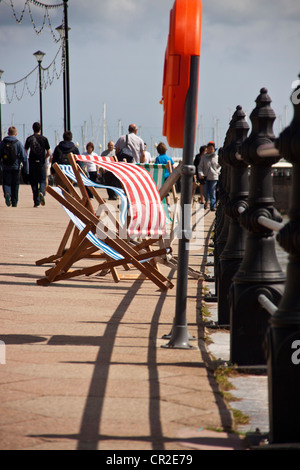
{"x": 39, "y": 151}
{"x": 130, "y": 147}
{"x": 12, "y": 158}
{"x": 61, "y": 151}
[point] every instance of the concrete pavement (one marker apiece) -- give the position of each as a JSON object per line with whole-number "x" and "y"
{"x": 84, "y": 367}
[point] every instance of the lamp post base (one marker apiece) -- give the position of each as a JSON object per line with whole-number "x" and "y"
{"x": 180, "y": 338}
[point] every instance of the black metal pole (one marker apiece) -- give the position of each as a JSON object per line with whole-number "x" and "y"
{"x": 1, "y": 72}
{"x": 180, "y": 335}
{"x": 41, "y": 99}
{"x": 67, "y": 68}
{"x": 0, "y": 124}
{"x": 64, "y": 86}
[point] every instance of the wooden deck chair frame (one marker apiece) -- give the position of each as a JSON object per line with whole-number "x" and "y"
{"x": 82, "y": 181}
{"x": 84, "y": 199}
{"x": 71, "y": 233}
{"x": 169, "y": 185}
{"x": 91, "y": 224}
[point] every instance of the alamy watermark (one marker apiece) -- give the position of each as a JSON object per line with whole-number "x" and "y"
{"x": 186, "y": 223}
{"x": 296, "y": 92}
{"x": 2, "y": 353}
{"x": 296, "y": 354}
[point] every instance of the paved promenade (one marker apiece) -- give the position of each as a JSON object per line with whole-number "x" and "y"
{"x": 84, "y": 367}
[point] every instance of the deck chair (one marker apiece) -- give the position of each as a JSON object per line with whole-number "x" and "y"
{"x": 73, "y": 173}
{"x": 158, "y": 172}
{"x": 146, "y": 213}
{"x": 155, "y": 235}
{"x": 141, "y": 252}
{"x": 161, "y": 192}
{"x": 117, "y": 252}
{"x": 68, "y": 171}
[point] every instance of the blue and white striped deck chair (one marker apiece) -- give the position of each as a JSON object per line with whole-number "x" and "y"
{"x": 67, "y": 176}
{"x": 68, "y": 171}
{"x": 116, "y": 251}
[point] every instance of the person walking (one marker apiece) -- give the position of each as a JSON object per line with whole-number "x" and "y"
{"x": 39, "y": 151}
{"x": 199, "y": 181}
{"x": 110, "y": 151}
{"x": 60, "y": 154}
{"x": 12, "y": 158}
{"x": 91, "y": 167}
{"x": 210, "y": 168}
{"x": 163, "y": 159}
{"x": 133, "y": 144}
{"x": 148, "y": 157}
{"x": 109, "y": 179}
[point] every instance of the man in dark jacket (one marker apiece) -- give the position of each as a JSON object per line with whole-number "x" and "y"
{"x": 12, "y": 157}
{"x": 61, "y": 152}
{"x": 39, "y": 151}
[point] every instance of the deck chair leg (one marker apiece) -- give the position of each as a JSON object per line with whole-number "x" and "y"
{"x": 67, "y": 258}
{"x": 61, "y": 248}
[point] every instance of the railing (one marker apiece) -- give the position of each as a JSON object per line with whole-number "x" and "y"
{"x": 255, "y": 299}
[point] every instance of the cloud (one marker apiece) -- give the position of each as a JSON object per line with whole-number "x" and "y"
{"x": 116, "y": 19}
{"x": 117, "y": 53}
{"x": 246, "y": 12}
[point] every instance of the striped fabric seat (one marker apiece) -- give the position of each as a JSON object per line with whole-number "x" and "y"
{"x": 105, "y": 159}
{"x": 147, "y": 215}
{"x": 68, "y": 171}
{"x": 157, "y": 171}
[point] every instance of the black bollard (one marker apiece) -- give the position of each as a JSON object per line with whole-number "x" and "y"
{"x": 259, "y": 272}
{"x": 234, "y": 249}
{"x": 218, "y": 238}
{"x": 223, "y": 219}
{"x": 284, "y": 331}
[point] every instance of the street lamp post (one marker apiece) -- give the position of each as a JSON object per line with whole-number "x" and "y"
{"x": 66, "y": 88}
{"x": 1, "y": 72}
{"x": 39, "y": 57}
{"x": 63, "y": 31}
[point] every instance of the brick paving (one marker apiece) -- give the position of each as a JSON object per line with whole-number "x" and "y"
{"x": 84, "y": 367}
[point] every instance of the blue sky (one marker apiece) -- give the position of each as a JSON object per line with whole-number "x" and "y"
{"x": 117, "y": 50}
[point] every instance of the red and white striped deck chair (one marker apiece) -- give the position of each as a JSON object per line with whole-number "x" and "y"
{"x": 148, "y": 218}
{"x": 146, "y": 213}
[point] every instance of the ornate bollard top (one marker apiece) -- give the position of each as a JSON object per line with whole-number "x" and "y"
{"x": 238, "y": 130}
{"x": 288, "y": 142}
{"x": 262, "y": 119}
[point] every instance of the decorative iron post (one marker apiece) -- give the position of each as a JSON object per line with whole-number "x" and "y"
{"x": 223, "y": 220}
{"x": 259, "y": 272}
{"x": 234, "y": 249}
{"x": 284, "y": 331}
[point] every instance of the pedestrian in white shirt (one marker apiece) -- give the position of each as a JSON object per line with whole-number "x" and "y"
{"x": 91, "y": 167}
